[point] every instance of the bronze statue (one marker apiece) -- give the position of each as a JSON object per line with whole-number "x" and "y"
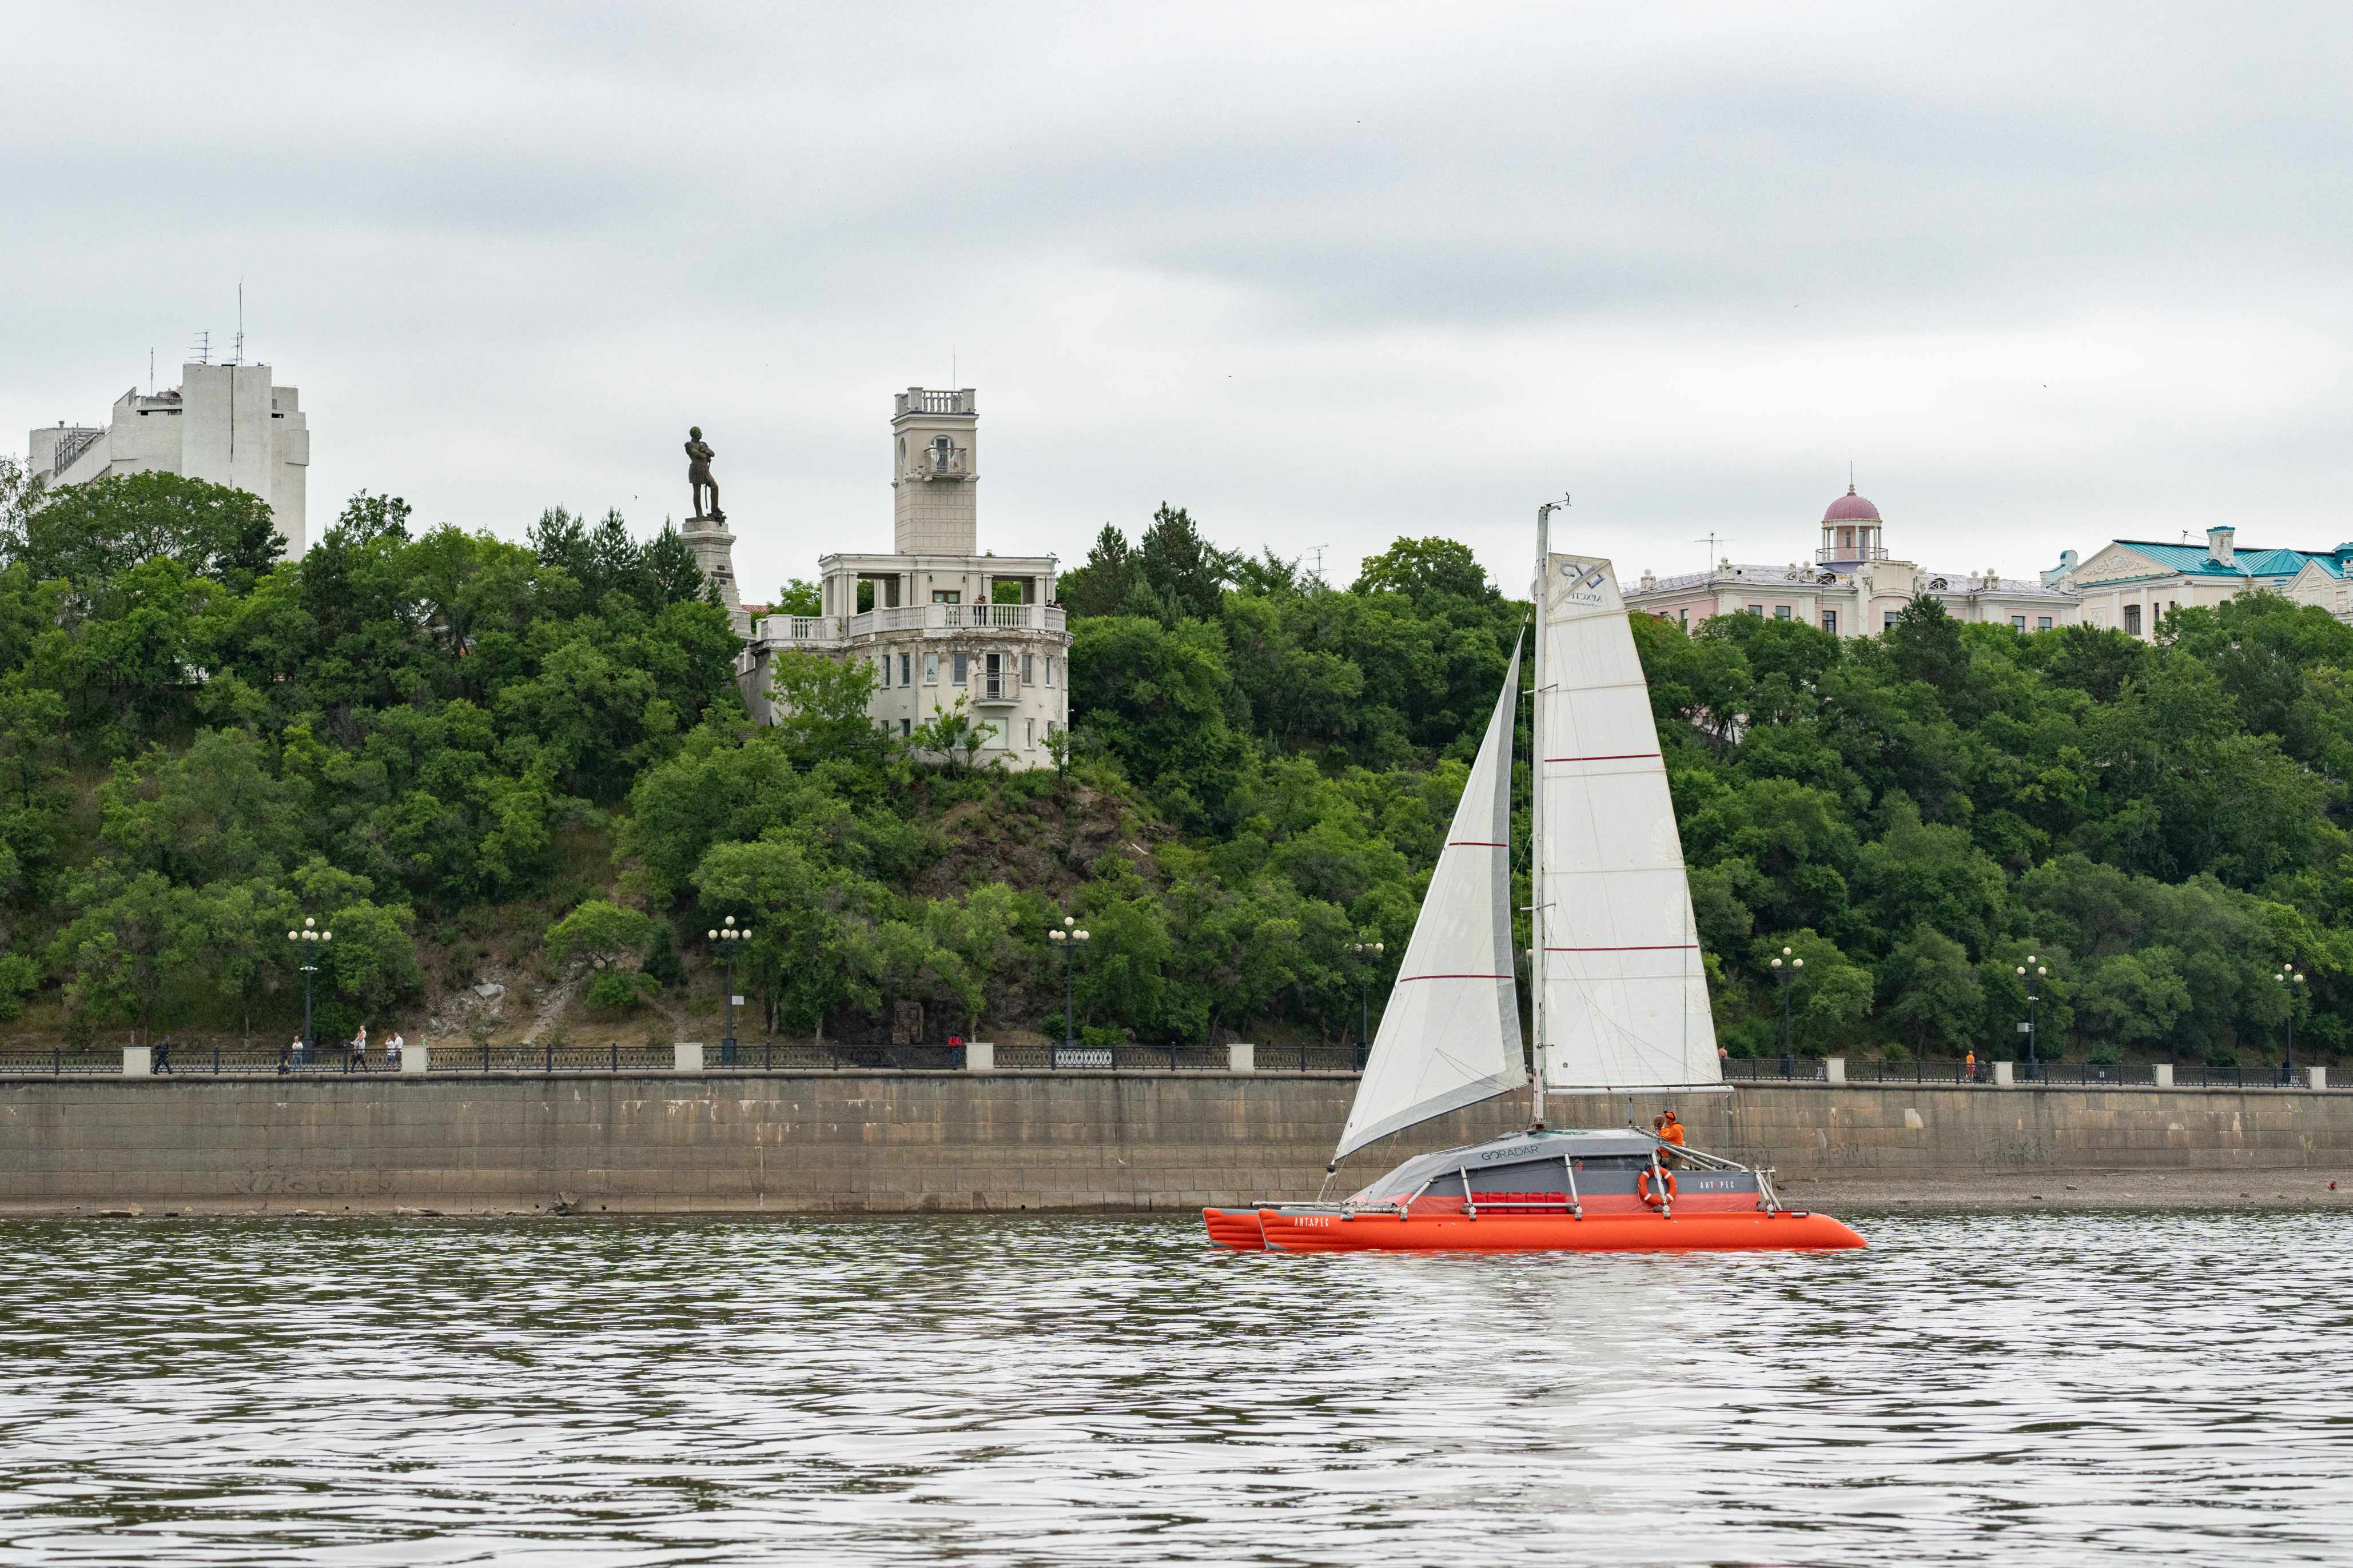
{"x": 698, "y": 475}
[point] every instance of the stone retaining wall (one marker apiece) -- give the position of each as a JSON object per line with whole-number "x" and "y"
{"x": 895, "y": 1141}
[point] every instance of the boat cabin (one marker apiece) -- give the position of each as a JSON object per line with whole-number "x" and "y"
{"x": 1562, "y": 1166}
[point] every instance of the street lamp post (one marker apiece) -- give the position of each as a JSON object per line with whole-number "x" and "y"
{"x": 1783, "y": 971}
{"x": 2033, "y": 973}
{"x": 727, "y": 936}
{"x": 1067, "y": 936}
{"x": 1363, "y": 983}
{"x": 2289, "y": 980}
{"x": 306, "y": 947}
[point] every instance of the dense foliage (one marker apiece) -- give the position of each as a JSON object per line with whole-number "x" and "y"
{"x": 441, "y": 744}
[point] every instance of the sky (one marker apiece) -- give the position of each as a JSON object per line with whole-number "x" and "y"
{"x": 1324, "y": 275}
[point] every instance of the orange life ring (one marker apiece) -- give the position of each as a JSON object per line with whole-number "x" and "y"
{"x": 1642, "y": 1189}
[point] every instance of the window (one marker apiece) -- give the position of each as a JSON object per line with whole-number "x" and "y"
{"x": 992, "y": 675}
{"x": 2018, "y": 623}
{"x": 1756, "y": 609}
{"x": 1049, "y": 669}
{"x": 1029, "y": 669}
{"x": 885, "y": 678}
{"x": 1683, "y": 616}
{"x": 2043, "y": 623}
{"x": 947, "y": 596}
{"x": 931, "y": 669}
{"x": 1887, "y": 620}
{"x": 1029, "y": 735}
{"x": 2132, "y": 620}
{"x": 906, "y": 728}
{"x": 904, "y": 660}
{"x": 1781, "y": 612}
{"x": 963, "y": 670}
{"x": 1830, "y": 622}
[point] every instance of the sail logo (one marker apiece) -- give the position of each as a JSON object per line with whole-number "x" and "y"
{"x": 1588, "y": 579}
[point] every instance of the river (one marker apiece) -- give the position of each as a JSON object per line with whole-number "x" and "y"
{"x": 2008, "y": 1388}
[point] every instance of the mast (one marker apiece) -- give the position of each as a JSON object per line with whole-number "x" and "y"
{"x": 1536, "y": 901}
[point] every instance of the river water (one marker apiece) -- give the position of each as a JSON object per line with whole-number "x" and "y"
{"x": 2011, "y": 1388}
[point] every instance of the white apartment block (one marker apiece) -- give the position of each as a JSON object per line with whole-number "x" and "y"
{"x": 224, "y": 423}
{"x": 1852, "y": 586}
{"x": 937, "y": 619}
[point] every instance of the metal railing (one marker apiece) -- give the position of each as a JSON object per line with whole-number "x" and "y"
{"x": 610, "y": 1057}
{"x": 58, "y": 1060}
{"x": 1743, "y": 1070}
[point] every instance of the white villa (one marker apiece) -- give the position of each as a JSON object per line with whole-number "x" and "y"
{"x": 1851, "y": 587}
{"x": 224, "y": 423}
{"x": 938, "y": 620}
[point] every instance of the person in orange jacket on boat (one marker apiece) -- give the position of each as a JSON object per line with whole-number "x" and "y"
{"x": 1670, "y": 1131}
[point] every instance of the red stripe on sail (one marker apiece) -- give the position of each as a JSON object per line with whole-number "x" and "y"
{"x": 1403, "y": 978}
{"x": 1611, "y": 757}
{"x": 1475, "y": 844}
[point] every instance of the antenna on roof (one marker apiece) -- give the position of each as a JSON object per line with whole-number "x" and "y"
{"x": 237, "y": 356}
{"x": 202, "y": 353}
{"x": 151, "y": 372}
{"x": 1710, "y": 543}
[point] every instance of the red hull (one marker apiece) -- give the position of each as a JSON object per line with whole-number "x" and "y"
{"x": 1744, "y": 1231}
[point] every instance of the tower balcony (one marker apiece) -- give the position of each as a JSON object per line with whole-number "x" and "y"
{"x": 1833, "y": 553}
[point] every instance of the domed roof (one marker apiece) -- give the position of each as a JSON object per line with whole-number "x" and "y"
{"x": 1850, "y": 508}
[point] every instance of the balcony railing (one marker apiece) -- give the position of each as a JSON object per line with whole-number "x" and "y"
{"x": 932, "y": 620}
{"x": 1829, "y": 552}
{"x": 919, "y": 400}
{"x": 1004, "y": 686}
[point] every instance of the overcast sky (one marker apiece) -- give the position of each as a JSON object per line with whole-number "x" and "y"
{"x": 1325, "y": 275}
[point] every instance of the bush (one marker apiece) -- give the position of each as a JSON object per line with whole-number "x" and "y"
{"x": 620, "y": 993}
{"x": 2106, "y": 1056}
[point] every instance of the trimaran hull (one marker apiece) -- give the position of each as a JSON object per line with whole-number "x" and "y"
{"x": 1281, "y": 1230}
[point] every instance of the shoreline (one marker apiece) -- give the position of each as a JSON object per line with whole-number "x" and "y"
{"x": 2280, "y": 1189}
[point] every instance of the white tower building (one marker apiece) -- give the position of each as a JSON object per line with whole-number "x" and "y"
{"x": 940, "y": 622}
{"x": 224, "y": 423}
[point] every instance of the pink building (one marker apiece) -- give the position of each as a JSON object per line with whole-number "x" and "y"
{"x": 1851, "y": 587}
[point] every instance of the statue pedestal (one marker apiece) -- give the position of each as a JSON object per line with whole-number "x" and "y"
{"x": 715, "y": 556}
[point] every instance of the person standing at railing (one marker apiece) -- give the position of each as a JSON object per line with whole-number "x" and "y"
{"x": 286, "y": 1056}
{"x": 1670, "y": 1133}
{"x": 359, "y": 1051}
{"x": 163, "y": 1060}
{"x": 392, "y": 1048}
{"x": 1969, "y": 1067}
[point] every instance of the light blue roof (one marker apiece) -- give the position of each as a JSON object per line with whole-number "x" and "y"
{"x": 2197, "y": 560}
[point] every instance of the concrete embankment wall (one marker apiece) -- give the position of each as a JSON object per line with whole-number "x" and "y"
{"x": 896, "y": 1141}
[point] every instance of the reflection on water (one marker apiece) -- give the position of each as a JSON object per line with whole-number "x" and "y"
{"x": 2011, "y": 1388}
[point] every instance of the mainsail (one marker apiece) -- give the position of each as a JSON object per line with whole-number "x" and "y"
{"x": 1450, "y": 1034}
{"x": 1624, "y": 1001}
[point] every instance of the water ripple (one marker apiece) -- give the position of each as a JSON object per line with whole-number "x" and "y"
{"x": 2000, "y": 1388}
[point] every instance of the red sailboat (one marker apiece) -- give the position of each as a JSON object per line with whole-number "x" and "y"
{"x": 1620, "y": 994}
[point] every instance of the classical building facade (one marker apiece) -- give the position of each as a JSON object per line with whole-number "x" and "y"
{"x": 2131, "y": 584}
{"x": 1853, "y": 586}
{"x": 944, "y": 627}
{"x": 224, "y": 423}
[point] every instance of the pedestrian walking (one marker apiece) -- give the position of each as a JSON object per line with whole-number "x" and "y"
{"x": 1969, "y": 1067}
{"x": 392, "y": 1048}
{"x": 288, "y": 1056}
{"x": 359, "y": 1051}
{"x": 163, "y": 1060}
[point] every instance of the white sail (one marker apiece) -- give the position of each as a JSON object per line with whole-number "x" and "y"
{"x": 1625, "y": 995}
{"x": 1450, "y": 1034}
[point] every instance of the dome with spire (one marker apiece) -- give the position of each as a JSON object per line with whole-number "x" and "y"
{"x": 1850, "y": 508}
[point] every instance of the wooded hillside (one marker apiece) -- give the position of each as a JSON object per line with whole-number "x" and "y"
{"x": 528, "y": 763}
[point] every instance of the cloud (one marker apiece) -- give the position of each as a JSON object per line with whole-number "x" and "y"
{"x": 1326, "y": 274}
